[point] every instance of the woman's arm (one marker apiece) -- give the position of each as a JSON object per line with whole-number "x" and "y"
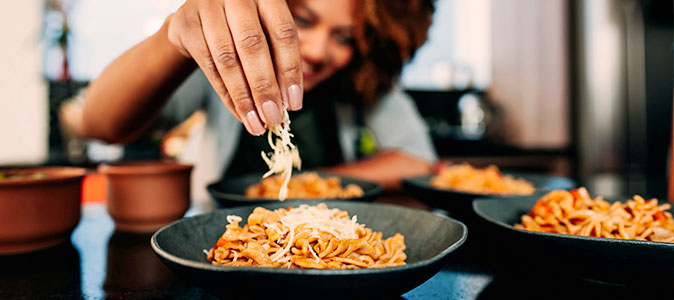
{"x": 386, "y": 168}
{"x": 128, "y": 96}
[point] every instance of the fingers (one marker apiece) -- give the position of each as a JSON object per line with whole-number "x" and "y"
{"x": 195, "y": 46}
{"x": 280, "y": 28}
{"x": 253, "y": 51}
{"x": 253, "y": 76}
{"x": 190, "y": 34}
{"x": 226, "y": 61}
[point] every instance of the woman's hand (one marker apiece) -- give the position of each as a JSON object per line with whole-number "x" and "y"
{"x": 248, "y": 50}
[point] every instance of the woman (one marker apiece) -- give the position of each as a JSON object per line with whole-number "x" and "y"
{"x": 257, "y": 57}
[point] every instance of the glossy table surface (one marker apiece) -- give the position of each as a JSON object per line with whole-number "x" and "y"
{"x": 102, "y": 263}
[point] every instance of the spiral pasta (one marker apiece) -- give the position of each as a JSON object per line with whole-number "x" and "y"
{"x": 312, "y": 237}
{"x": 307, "y": 185}
{"x": 466, "y": 178}
{"x": 575, "y": 212}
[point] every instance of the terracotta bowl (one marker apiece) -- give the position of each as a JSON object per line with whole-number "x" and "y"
{"x": 39, "y": 207}
{"x": 145, "y": 196}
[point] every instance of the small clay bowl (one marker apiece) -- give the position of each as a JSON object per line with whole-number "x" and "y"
{"x": 39, "y": 207}
{"x": 145, "y": 196}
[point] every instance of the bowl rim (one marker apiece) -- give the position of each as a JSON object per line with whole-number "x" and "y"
{"x": 143, "y": 167}
{"x": 56, "y": 174}
{"x": 538, "y": 234}
{"x": 423, "y": 182}
{"x": 305, "y": 272}
{"x": 375, "y": 192}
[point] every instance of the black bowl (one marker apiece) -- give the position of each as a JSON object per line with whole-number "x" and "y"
{"x": 459, "y": 204}
{"x": 430, "y": 240}
{"x": 230, "y": 192}
{"x": 601, "y": 260}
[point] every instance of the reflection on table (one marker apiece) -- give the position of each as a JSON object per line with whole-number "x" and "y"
{"x": 50, "y": 273}
{"x": 133, "y": 270}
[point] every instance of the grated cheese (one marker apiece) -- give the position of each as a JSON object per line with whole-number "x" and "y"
{"x": 321, "y": 219}
{"x": 311, "y": 217}
{"x": 232, "y": 218}
{"x": 316, "y": 258}
{"x": 284, "y": 156}
{"x": 315, "y": 218}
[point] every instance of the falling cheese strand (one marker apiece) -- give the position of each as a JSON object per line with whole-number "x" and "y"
{"x": 284, "y": 156}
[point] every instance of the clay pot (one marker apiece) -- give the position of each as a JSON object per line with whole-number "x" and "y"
{"x": 145, "y": 196}
{"x": 38, "y": 211}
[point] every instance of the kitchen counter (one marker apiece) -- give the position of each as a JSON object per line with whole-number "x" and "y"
{"x": 101, "y": 263}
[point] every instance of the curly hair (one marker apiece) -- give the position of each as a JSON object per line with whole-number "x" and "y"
{"x": 387, "y": 34}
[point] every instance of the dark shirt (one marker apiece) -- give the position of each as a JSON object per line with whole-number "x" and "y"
{"x": 315, "y": 135}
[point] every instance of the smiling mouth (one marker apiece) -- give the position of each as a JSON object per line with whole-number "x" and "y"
{"x": 310, "y": 71}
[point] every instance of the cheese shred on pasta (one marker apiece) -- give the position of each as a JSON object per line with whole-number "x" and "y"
{"x": 284, "y": 156}
{"x": 313, "y": 237}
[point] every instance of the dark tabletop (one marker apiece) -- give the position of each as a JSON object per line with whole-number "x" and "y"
{"x": 101, "y": 263}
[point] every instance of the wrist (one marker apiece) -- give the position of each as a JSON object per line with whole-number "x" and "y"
{"x": 168, "y": 48}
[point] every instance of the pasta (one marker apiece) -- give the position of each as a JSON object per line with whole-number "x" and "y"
{"x": 312, "y": 237}
{"x": 304, "y": 186}
{"x": 285, "y": 155}
{"x": 575, "y": 212}
{"x": 466, "y": 178}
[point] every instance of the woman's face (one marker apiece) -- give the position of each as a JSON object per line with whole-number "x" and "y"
{"x": 325, "y": 29}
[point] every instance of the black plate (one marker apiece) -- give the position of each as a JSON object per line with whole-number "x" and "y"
{"x": 229, "y": 192}
{"x": 430, "y": 240}
{"x": 614, "y": 261}
{"x": 459, "y": 204}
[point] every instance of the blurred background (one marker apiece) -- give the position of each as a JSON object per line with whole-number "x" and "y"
{"x": 577, "y": 88}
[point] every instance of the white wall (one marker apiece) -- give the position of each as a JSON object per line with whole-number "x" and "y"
{"x": 529, "y": 70}
{"x": 23, "y": 91}
{"x": 103, "y": 30}
{"x": 458, "y": 49}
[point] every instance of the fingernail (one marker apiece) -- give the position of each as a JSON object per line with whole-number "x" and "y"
{"x": 245, "y": 123}
{"x": 254, "y": 125}
{"x": 295, "y": 97}
{"x": 272, "y": 114}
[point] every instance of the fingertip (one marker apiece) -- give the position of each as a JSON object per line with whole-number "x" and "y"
{"x": 295, "y": 95}
{"x": 253, "y": 124}
{"x": 272, "y": 113}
